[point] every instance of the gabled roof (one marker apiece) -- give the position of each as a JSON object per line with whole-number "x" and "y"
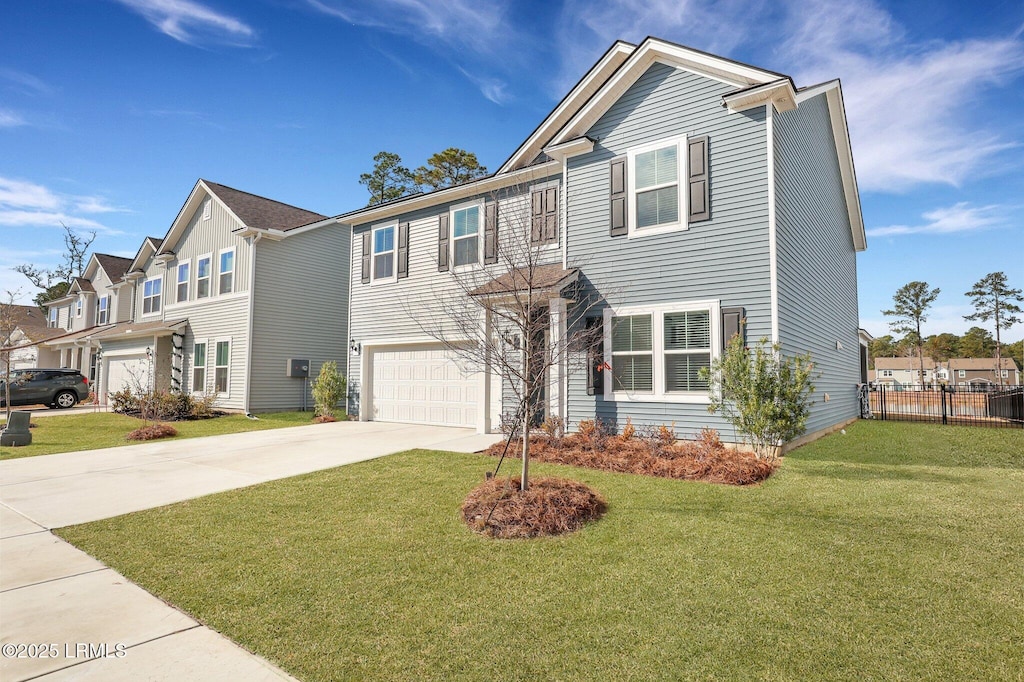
{"x": 150, "y": 246}
{"x": 910, "y": 364}
{"x": 250, "y": 211}
{"x": 32, "y": 323}
{"x": 542, "y": 277}
{"x": 113, "y": 266}
{"x": 81, "y": 284}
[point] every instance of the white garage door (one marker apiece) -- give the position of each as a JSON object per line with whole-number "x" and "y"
{"x": 123, "y": 371}
{"x": 422, "y": 385}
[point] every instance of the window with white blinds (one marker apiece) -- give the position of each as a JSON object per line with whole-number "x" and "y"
{"x": 632, "y": 353}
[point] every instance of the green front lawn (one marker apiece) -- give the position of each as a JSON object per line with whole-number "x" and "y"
{"x": 105, "y": 429}
{"x": 895, "y": 551}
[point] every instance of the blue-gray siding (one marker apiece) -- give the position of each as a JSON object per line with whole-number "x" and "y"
{"x": 725, "y": 258}
{"x": 816, "y": 259}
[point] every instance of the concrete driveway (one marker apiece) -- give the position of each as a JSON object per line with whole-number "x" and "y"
{"x": 55, "y": 595}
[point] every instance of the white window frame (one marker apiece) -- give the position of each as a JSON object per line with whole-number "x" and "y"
{"x": 205, "y": 366}
{"x": 233, "y": 271}
{"x": 886, "y": 373}
{"x": 657, "y": 312}
{"x": 103, "y": 314}
{"x": 178, "y": 282}
{"x": 226, "y": 393}
{"x": 207, "y": 208}
{"x": 78, "y": 307}
{"x": 394, "y": 253}
{"x": 961, "y": 373}
{"x": 159, "y": 307}
{"x": 70, "y": 322}
{"x": 208, "y": 278}
{"x": 682, "y": 153}
{"x": 54, "y": 317}
{"x": 1004, "y": 374}
{"x": 479, "y": 204}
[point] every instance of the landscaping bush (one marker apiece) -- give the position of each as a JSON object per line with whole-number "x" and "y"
{"x": 153, "y": 432}
{"x": 163, "y": 405}
{"x": 550, "y": 506}
{"x": 649, "y": 452}
{"x": 328, "y": 389}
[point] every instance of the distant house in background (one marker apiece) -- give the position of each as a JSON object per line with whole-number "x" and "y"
{"x": 903, "y": 372}
{"x": 30, "y": 328}
{"x": 982, "y": 371}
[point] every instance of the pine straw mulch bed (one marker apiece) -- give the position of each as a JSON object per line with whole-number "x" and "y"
{"x": 705, "y": 459}
{"x": 549, "y": 506}
{"x": 153, "y": 432}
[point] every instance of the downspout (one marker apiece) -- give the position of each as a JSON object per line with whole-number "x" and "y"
{"x": 252, "y": 300}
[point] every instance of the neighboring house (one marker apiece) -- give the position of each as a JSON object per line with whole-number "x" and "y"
{"x": 906, "y": 372}
{"x": 982, "y": 372}
{"x": 29, "y": 327}
{"x": 691, "y": 195}
{"x": 239, "y": 285}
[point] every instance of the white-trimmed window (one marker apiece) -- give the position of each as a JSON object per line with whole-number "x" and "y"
{"x": 384, "y": 249}
{"x": 103, "y": 310}
{"x": 961, "y": 373}
{"x": 183, "y": 277}
{"x": 203, "y": 265}
{"x": 658, "y": 351}
{"x": 68, "y": 324}
{"x": 887, "y": 373}
{"x": 1004, "y": 373}
{"x": 657, "y": 201}
{"x": 466, "y": 240}
{"x": 78, "y": 307}
{"x": 226, "y": 271}
{"x": 222, "y": 362}
{"x": 152, "y": 292}
{"x": 199, "y": 366}
{"x": 52, "y": 323}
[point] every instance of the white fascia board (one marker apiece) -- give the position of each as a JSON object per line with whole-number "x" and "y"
{"x": 561, "y": 152}
{"x": 195, "y": 197}
{"x": 833, "y": 92}
{"x": 451, "y": 194}
{"x": 781, "y": 94}
{"x": 651, "y": 51}
{"x": 278, "y": 235}
{"x": 577, "y": 97}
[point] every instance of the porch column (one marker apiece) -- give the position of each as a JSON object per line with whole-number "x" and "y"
{"x": 558, "y": 377}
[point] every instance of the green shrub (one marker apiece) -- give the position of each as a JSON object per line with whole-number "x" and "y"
{"x": 328, "y": 389}
{"x": 162, "y": 405}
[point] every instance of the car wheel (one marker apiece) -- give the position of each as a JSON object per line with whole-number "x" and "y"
{"x": 65, "y": 399}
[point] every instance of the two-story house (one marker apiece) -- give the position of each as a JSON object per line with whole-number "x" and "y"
{"x": 906, "y": 372}
{"x": 22, "y": 329}
{"x": 690, "y": 196}
{"x": 968, "y": 372}
{"x": 217, "y": 306}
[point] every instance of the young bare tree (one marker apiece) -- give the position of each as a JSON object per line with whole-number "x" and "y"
{"x": 8, "y": 323}
{"x": 519, "y": 313}
{"x": 55, "y": 282}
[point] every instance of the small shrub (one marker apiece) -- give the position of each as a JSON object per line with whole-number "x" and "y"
{"x": 554, "y": 428}
{"x": 124, "y": 402}
{"x": 153, "y": 432}
{"x": 163, "y": 405}
{"x": 628, "y": 431}
{"x": 550, "y": 506}
{"x": 328, "y": 389}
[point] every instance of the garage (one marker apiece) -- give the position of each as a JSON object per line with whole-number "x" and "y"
{"x": 422, "y": 385}
{"x": 126, "y": 371}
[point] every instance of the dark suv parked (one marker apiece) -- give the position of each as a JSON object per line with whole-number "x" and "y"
{"x": 60, "y": 388}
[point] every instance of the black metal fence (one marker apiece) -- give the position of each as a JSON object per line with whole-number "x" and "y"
{"x": 1000, "y": 406}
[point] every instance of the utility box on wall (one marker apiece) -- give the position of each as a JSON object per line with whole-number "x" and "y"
{"x": 298, "y": 368}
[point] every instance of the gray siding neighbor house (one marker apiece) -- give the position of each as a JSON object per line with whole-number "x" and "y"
{"x": 688, "y": 195}
{"x": 217, "y": 306}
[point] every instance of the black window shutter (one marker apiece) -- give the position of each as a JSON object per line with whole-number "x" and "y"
{"x": 442, "y": 242}
{"x": 536, "y": 216}
{"x": 551, "y": 214}
{"x": 366, "y": 257}
{"x": 733, "y": 323}
{"x": 490, "y": 233}
{"x": 595, "y": 355}
{"x": 618, "y": 225}
{"x": 403, "y": 250}
{"x": 697, "y": 165}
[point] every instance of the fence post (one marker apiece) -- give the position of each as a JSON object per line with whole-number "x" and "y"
{"x": 944, "y": 418}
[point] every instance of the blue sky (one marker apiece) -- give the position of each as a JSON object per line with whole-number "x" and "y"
{"x": 111, "y": 109}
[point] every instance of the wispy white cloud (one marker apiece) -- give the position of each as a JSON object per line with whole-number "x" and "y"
{"x": 193, "y": 23}
{"x": 11, "y": 119}
{"x": 909, "y": 105}
{"x": 463, "y": 30}
{"x": 28, "y": 204}
{"x": 25, "y": 82}
{"x": 960, "y": 217}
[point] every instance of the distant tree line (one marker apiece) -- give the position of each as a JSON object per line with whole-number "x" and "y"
{"x": 390, "y": 180}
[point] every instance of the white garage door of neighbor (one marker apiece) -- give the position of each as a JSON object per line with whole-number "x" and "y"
{"x": 129, "y": 371}
{"x": 423, "y": 385}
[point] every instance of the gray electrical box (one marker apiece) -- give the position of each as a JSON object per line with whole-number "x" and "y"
{"x": 298, "y": 368}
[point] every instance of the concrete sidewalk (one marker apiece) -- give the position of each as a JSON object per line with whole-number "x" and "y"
{"x": 52, "y": 593}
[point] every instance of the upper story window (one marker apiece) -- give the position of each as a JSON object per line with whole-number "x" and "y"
{"x": 103, "y": 310}
{"x": 181, "y": 292}
{"x": 961, "y": 373}
{"x": 1004, "y": 373}
{"x": 152, "y": 290}
{"x": 78, "y": 307}
{"x": 466, "y": 235}
{"x": 658, "y": 352}
{"x": 887, "y": 373}
{"x": 203, "y": 277}
{"x": 655, "y": 199}
{"x": 53, "y": 318}
{"x": 67, "y": 324}
{"x": 226, "y": 272}
{"x": 384, "y": 252}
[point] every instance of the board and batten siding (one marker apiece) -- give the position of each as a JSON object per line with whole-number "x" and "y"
{"x": 725, "y": 258}
{"x": 202, "y": 237}
{"x": 413, "y": 307}
{"x": 218, "y": 320}
{"x": 817, "y": 263}
{"x": 300, "y": 310}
